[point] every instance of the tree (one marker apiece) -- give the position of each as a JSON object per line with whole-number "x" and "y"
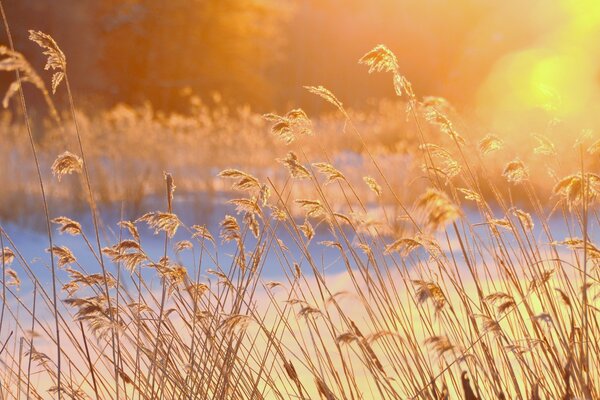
{"x": 154, "y": 49}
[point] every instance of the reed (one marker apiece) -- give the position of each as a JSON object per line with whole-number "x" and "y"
{"x": 472, "y": 285}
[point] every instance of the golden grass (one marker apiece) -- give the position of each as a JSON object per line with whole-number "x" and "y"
{"x": 451, "y": 288}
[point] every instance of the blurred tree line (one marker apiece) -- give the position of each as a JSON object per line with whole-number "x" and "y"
{"x": 261, "y": 52}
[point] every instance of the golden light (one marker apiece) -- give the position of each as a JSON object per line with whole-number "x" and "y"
{"x": 557, "y": 77}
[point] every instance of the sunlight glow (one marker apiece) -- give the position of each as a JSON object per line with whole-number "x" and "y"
{"x": 558, "y": 76}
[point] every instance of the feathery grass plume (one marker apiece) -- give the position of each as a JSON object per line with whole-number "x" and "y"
{"x": 500, "y": 222}
{"x": 223, "y": 279}
{"x": 380, "y": 59}
{"x": 235, "y": 323}
{"x": 296, "y": 169}
{"x": 594, "y": 148}
{"x": 490, "y": 325}
{"x": 578, "y": 244}
{"x": 244, "y": 181}
{"x": 427, "y": 290}
{"x": 402, "y": 85}
{"x": 63, "y": 254}
{"x": 520, "y": 349}
{"x": 503, "y": 301}
{"x": 79, "y": 279}
{"x": 525, "y": 219}
{"x": 564, "y": 297}
{"x": 367, "y": 224}
{"x": 307, "y": 229}
{"x": 440, "y": 344}
{"x": 138, "y": 308}
{"x": 95, "y": 311}
{"x": 130, "y": 226}
{"x": 66, "y": 163}
{"x": 365, "y": 248}
{"x": 40, "y": 358}
{"x": 545, "y": 146}
{"x": 197, "y": 290}
{"x": 307, "y": 311}
{"x": 440, "y": 211}
{"x": 327, "y": 96}
{"x": 183, "y": 245}
{"x": 498, "y": 297}
{"x": 295, "y": 301}
{"x": 69, "y": 391}
{"x": 471, "y": 195}
{"x": 174, "y": 274}
{"x": 121, "y": 247}
{"x": 161, "y": 222}
{"x": 330, "y": 172}
{"x": 278, "y": 214}
{"x": 202, "y": 315}
{"x": 506, "y": 306}
{"x": 125, "y": 245}
{"x": 490, "y": 143}
{"x": 430, "y": 244}
{"x": 571, "y": 188}
{"x": 438, "y": 103}
{"x": 297, "y": 271}
{"x": 91, "y": 279}
{"x": 202, "y": 232}
{"x": 346, "y": 338}
{"x": 368, "y": 350}
{"x": 246, "y": 206}
{"x": 408, "y": 245}
{"x": 264, "y": 194}
{"x": 170, "y": 189}
{"x": 252, "y": 223}
{"x": 333, "y": 299}
{"x": 381, "y": 334}
{"x": 312, "y": 208}
{"x": 7, "y": 256}
{"x": 56, "y": 58}
{"x": 294, "y": 123}
{"x": 436, "y": 150}
{"x": 68, "y": 225}
{"x": 70, "y": 288}
{"x": 373, "y": 185}
{"x": 323, "y": 389}
{"x": 273, "y": 284}
{"x": 14, "y": 279}
{"x": 15, "y": 61}
{"x": 230, "y": 229}
{"x": 443, "y": 122}
{"x": 584, "y": 136}
{"x": 125, "y": 377}
{"x": 449, "y": 168}
{"x": 130, "y": 260}
{"x": 341, "y": 218}
{"x": 541, "y": 278}
{"x": 515, "y": 172}
{"x": 404, "y": 245}
{"x": 291, "y": 371}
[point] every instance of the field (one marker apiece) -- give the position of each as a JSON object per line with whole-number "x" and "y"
{"x": 396, "y": 251}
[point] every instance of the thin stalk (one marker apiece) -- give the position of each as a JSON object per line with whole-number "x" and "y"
{"x": 96, "y": 231}
{"x": 44, "y": 201}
